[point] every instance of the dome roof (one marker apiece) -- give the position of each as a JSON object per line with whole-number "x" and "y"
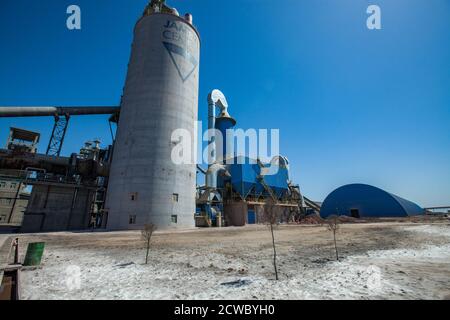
{"x": 362, "y": 200}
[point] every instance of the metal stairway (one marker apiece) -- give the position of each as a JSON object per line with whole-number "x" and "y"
{"x": 312, "y": 204}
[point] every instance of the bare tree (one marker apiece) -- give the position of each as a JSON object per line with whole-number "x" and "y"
{"x": 333, "y": 226}
{"x": 271, "y": 214}
{"x": 147, "y": 233}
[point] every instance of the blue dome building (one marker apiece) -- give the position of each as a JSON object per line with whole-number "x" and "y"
{"x": 364, "y": 201}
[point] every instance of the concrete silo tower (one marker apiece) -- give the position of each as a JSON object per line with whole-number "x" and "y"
{"x": 160, "y": 96}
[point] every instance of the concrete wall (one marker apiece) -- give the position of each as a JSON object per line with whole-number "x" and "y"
{"x": 12, "y": 201}
{"x": 160, "y": 96}
{"x": 58, "y": 208}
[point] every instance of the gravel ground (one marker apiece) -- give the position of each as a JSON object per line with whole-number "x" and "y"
{"x": 378, "y": 261}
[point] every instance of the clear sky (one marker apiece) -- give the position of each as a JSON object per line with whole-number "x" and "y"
{"x": 352, "y": 104}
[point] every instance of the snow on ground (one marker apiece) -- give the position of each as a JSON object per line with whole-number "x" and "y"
{"x": 438, "y": 230}
{"x": 416, "y": 272}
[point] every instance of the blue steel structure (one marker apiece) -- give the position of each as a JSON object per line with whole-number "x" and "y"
{"x": 362, "y": 200}
{"x": 244, "y": 179}
{"x": 222, "y": 124}
{"x": 236, "y": 185}
{"x": 245, "y": 171}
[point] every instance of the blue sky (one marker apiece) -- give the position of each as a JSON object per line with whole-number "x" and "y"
{"x": 352, "y": 105}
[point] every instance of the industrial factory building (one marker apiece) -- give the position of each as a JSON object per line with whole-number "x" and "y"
{"x": 50, "y": 193}
{"x": 365, "y": 201}
{"x": 135, "y": 181}
{"x": 13, "y": 198}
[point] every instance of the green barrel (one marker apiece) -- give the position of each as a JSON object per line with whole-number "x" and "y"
{"x": 34, "y": 254}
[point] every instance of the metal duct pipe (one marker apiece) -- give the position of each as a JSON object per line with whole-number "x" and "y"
{"x": 212, "y": 174}
{"x": 188, "y": 18}
{"x": 224, "y": 123}
{"x": 275, "y": 163}
{"x": 215, "y": 99}
{"x": 52, "y": 111}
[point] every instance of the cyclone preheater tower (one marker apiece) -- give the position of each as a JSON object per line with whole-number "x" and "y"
{"x": 160, "y": 96}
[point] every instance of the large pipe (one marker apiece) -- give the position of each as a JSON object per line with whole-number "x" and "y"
{"x": 215, "y": 99}
{"x": 224, "y": 123}
{"x": 212, "y": 174}
{"x": 52, "y": 111}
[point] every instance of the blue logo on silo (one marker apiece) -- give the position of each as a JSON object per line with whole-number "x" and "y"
{"x": 173, "y": 49}
{"x": 184, "y": 61}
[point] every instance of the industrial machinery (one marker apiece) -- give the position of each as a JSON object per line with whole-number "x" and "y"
{"x": 43, "y": 192}
{"x": 62, "y": 116}
{"x": 237, "y": 187}
{"x": 160, "y": 96}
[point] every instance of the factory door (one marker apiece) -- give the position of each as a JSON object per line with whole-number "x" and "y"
{"x": 354, "y": 213}
{"x": 251, "y": 217}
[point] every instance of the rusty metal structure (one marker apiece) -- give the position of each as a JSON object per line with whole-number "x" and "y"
{"x": 40, "y": 192}
{"x": 62, "y": 116}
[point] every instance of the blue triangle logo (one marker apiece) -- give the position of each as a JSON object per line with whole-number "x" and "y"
{"x": 177, "y": 51}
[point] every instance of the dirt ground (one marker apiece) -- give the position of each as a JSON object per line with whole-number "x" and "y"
{"x": 389, "y": 260}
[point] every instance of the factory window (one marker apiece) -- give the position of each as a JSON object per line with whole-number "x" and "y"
{"x": 175, "y": 197}
{"x": 2, "y": 184}
{"x": 5, "y": 201}
{"x": 132, "y": 219}
{"x": 12, "y": 185}
{"x": 133, "y": 196}
{"x": 174, "y": 218}
{"x": 354, "y": 213}
{"x": 3, "y": 218}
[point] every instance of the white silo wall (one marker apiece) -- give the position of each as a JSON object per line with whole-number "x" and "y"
{"x": 160, "y": 95}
